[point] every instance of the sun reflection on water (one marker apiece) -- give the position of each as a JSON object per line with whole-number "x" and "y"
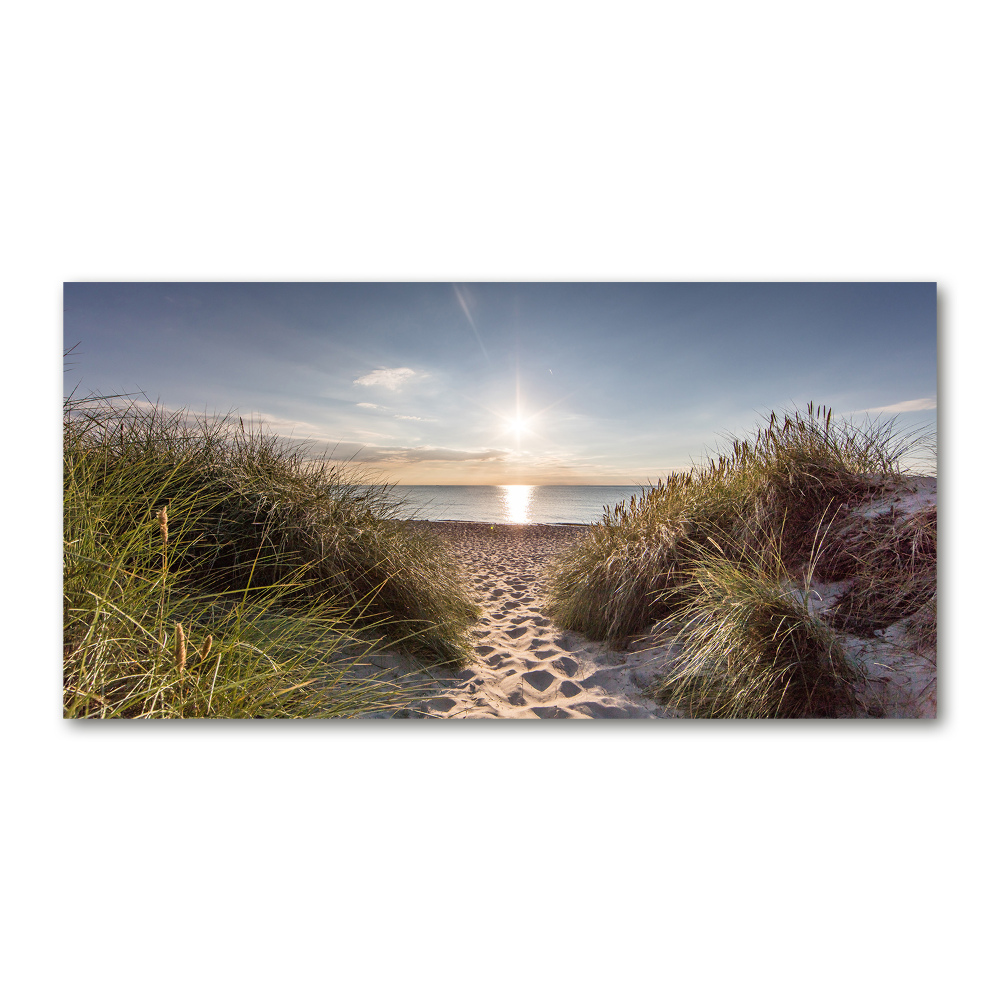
{"x": 517, "y": 503}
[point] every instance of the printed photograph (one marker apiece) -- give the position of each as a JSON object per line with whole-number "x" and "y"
{"x": 620, "y": 500}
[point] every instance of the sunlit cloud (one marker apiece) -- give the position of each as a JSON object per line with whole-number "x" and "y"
{"x": 907, "y": 406}
{"x": 387, "y": 378}
{"x": 403, "y": 416}
{"x": 370, "y": 406}
{"x": 280, "y": 425}
{"x": 423, "y": 453}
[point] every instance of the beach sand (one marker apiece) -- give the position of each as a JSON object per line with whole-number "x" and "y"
{"x": 525, "y": 666}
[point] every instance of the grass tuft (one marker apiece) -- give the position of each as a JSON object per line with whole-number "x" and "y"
{"x": 190, "y": 536}
{"x": 801, "y": 470}
{"x": 750, "y": 648}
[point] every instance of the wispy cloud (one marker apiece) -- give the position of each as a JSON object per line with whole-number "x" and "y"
{"x": 387, "y": 378}
{"x": 403, "y": 416}
{"x": 267, "y": 422}
{"x": 280, "y": 425}
{"x": 424, "y": 453}
{"x": 907, "y": 406}
{"x": 370, "y": 406}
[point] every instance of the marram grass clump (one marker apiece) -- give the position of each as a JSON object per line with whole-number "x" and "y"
{"x": 750, "y": 648}
{"x": 214, "y": 570}
{"x": 801, "y": 470}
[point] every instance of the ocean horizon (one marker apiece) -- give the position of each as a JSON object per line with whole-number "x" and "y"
{"x": 513, "y": 504}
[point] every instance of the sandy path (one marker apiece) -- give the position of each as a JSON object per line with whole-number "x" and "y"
{"x": 524, "y": 665}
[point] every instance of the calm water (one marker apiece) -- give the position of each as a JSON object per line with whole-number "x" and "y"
{"x": 510, "y": 504}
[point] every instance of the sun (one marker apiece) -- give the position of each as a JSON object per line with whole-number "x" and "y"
{"x": 517, "y": 427}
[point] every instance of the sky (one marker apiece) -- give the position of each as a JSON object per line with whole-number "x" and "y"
{"x": 501, "y": 383}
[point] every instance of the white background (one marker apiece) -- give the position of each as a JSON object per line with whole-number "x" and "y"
{"x": 458, "y": 141}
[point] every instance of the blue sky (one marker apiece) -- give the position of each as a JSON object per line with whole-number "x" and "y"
{"x": 437, "y": 383}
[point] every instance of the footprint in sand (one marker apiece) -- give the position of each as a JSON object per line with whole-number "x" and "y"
{"x": 538, "y": 679}
{"x": 438, "y": 705}
{"x": 566, "y": 665}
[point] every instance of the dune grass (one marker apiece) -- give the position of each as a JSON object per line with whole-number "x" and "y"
{"x": 891, "y": 561}
{"x": 711, "y": 552}
{"x": 749, "y": 647}
{"x": 800, "y": 469}
{"x": 212, "y": 569}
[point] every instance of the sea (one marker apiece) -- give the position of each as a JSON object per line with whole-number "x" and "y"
{"x": 510, "y": 504}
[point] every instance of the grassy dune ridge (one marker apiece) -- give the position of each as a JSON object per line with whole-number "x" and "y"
{"x": 212, "y": 569}
{"x": 720, "y": 557}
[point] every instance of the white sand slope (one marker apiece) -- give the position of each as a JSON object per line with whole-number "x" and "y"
{"x": 525, "y": 666}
